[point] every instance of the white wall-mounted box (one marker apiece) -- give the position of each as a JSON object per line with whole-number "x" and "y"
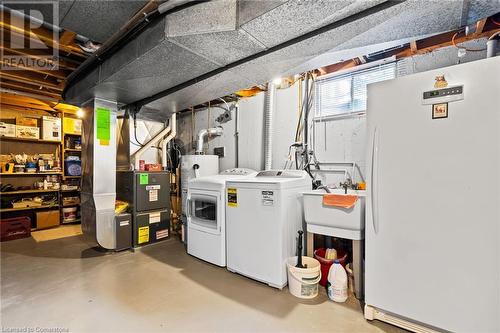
{"x": 51, "y": 128}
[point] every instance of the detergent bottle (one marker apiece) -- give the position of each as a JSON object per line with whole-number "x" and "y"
{"x": 337, "y": 283}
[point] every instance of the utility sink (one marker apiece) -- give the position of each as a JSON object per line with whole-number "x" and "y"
{"x": 334, "y": 221}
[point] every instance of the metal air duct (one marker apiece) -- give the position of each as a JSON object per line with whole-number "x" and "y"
{"x": 214, "y": 131}
{"x": 99, "y": 173}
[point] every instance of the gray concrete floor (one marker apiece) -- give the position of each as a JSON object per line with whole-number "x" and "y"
{"x": 65, "y": 284}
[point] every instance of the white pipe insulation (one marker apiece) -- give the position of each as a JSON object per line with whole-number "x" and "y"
{"x": 214, "y": 131}
{"x": 269, "y": 101}
{"x": 173, "y": 133}
{"x": 167, "y": 130}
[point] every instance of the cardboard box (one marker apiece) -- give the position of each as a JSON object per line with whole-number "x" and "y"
{"x": 27, "y": 121}
{"x": 51, "y": 128}
{"x": 27, "y": 132}
{"x": 7, "y": 130}
{"x": 47, "y": 219}
{"x": 73, "y": 126}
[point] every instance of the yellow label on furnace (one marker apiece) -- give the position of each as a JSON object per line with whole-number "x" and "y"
{"x": 232, "y": 197}
{"x": 143, "y": 235}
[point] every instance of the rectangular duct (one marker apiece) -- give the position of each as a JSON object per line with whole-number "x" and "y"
{"x": 99, "y": 172}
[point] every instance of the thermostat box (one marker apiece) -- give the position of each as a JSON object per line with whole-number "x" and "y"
{"x": 72, "y": 126}
{"x": 51, "y": 128}
{"x": 7, "y": 130}
{"x": 27, "y": 132}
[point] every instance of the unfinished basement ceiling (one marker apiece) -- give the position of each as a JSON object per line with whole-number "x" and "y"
{"x": 208, "y": 36}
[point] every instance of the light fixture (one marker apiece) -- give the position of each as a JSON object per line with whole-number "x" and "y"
{"x": 79, "y": 113}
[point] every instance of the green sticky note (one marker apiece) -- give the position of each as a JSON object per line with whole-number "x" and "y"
{"x": 103, "y": 120}
{"x": 144, "y": 179}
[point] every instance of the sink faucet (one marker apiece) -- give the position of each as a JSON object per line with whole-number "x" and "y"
{"x": 346, "y": 185}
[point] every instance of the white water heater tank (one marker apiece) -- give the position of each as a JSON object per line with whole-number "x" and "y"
{"x": 194, "y": 166}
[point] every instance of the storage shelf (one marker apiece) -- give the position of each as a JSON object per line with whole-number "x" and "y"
{"x": 5, "y": 210}
{"x": 72, "y": 221}
{"x": 28, "y": 192}
{"x": 72, "y": 134}
{"x": 71, "y": 205}
{"x": 72, "y": 150}
{"x": 9, "y": 138}
{"x": 66, "y": 191}
{"x": 70, "y": 177}
{"x": 16, "y": 174}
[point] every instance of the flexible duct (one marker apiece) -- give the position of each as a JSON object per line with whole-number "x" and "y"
{"x": 268, "y": 125}
{"x": 214, "y": 131}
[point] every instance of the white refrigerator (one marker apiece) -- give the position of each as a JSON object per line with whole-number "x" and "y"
{"x": 433, "y": 200}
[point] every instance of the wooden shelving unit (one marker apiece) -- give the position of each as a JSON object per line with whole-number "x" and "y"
{"x": 33, "y": 174}
{"x": 28, "y": 192}
{"x": 5, "y": 210}
{"x": 8, "y": 138}
{"x": 69, "y": 150}
{"x": 30, "y": 147}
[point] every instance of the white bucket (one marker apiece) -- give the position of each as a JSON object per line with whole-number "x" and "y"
{"x": 303, "y": 282}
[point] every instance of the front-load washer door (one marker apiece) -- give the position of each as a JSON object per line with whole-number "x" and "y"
{"x": 203, "y": 211}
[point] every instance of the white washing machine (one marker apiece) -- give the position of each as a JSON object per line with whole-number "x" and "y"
{"x": 206, "y": 215}
{"x": 263, "y": 216}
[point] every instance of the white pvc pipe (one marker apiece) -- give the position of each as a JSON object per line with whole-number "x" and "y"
{"x": 173, "y": 133}
{"x": 137, "y": 155}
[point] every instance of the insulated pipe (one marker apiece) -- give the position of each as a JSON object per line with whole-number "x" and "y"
{"x": 137, "y": 155}
{"x": 236, "y": 136}
{"x": 171, "y": 135}
{"x": 268, "y": 125}
{"x": 214, "y": 131}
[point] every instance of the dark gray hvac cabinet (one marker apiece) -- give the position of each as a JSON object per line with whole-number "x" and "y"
{"x": 148, "y": 193}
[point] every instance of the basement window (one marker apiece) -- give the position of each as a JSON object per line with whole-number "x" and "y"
{"x": 345, "y": 94}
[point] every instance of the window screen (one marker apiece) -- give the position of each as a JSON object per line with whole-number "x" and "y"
{"x": 347, "y": 93}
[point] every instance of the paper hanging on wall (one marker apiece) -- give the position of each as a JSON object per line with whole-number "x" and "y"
{"x": 103, "y": 121}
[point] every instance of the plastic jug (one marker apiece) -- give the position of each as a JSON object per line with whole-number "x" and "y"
{"x": 337, "y": 283}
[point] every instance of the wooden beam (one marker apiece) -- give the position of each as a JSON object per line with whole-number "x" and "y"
{"x": 26, "y": 108}
{"x": 33, "y": 54}
{"x": 480, "y": 26}
{"x": 39, "y": 34}
{"x": 429, "y": 46}
{"x": 413, "y": 46}
{"x": 58, "y": 74}
{"x": 67, "y": 37}
{"x": 30, "y": 90}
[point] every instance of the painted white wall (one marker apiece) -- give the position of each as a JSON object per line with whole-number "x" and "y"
{"x": 146, "y": 130}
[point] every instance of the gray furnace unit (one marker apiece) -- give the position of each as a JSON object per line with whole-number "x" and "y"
{"x": 148, "y": 194}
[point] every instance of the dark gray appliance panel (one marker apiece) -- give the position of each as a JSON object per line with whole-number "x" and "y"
{"x": 154, "y": 193}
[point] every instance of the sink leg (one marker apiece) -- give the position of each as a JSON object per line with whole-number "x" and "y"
{"x": 310, "y": 244}
{"x": 357, "y": 267}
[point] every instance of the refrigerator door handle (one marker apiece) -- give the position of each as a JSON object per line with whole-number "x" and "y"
{"x": 374, "y": 177}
